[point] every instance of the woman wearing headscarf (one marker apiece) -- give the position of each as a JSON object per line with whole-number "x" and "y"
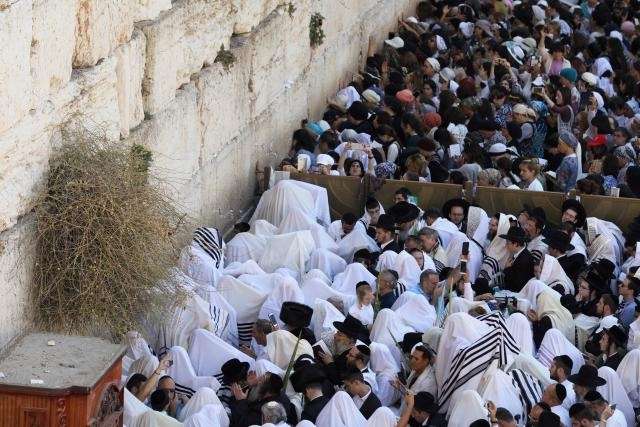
{"x": 567, "y": 172}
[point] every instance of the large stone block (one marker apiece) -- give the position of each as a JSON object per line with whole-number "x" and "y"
{"x": 143, "y": 10}
{"x": 174, "y": 138}
{"x": 16, "y": 270}
{"x": 179, "y": 43}
{"x": 251, "y": 12}
{"x": 15, "y": 76}
{"x": 54, "y": 32}
{"x": 102, "y": 25}
{"x": 129, "y": 72}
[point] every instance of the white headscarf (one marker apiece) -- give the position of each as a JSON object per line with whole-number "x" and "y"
{"x": 350, "y": 94}
{"x": 415, "y": 311}
{"x": 280, "y": 345}
{"x": 555, "y": 344}
{"x": 277, "y": 202}
{"x": 408, "y": 269}
{"x": 340, "y": 411}
{"x": 327, "y": 261}
{"x": 209, "y": 416}
{"x": 244, "y": 247}
{"x": 614, "y": 392}
{"x": 285, "y": 289}
{"x": 324, "y": 314}
{"x": 155, "y": 419}
{"x": 629, "y": 373}
{"x": 346, "y": 281}
{"x": 553, "y": 274}
{"x": 290, "y": 250}
{"x": 382, "y": 417}
{"x": 203, "y": 397}
{"x": 468, "y": 408}
{"x": 520, "y": 329}
{"x": 208, "y": 353}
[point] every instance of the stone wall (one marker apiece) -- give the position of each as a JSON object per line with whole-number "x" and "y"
{"x": 143, "y": 71}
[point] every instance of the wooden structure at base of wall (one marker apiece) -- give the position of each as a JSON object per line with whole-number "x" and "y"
{"x": 349, "y": 194}
{"x": 62, "y": 381}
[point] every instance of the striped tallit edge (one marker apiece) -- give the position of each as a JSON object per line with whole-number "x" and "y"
{"x": 530, "y": 390}
{"x": 496, "y": 320}
{"x": 209, "y": 243}
{"x": 400, "y": 289}
{"x": 245, "y": 332}
{"x": 183, "y": 389}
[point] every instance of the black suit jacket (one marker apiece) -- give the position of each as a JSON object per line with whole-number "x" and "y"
{"x": 393, "y": 246}
{"x": 436, "y": 420}
{"x": 370, "y": 405}
{"x": 312, "y": 409}
{"x": 519, "y": 273}
{"x": 572, "y": 265}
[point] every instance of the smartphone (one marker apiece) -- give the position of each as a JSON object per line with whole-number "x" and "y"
{"x": 463, "y": 266}
{"x": 356, "y": 146}
{"x": 465, "y": 248}
{"x": 302, "y": 164}
{"x": 272, "y": 319}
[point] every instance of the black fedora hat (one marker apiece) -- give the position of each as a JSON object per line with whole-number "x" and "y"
{"x": 558, "y": 239}
{"x": 404, "y": 212}
{"x": 587, "y": 376}
{"x": 449, "y": 204}
{"x": 576, "y": 206}
{"x": 618, "y": 335}
{"x": 234, "y": 370}
{"x": 595, "y": 281}
{"x": 425, "y": 402}
{"x": 515, "y": 234}
{"x": 386, "y": 222}
{"x": 307, "y": 374}
{"x": 351, "y": 327}
{"x": 409, "y": 340}
{"x": 295, "y": 314}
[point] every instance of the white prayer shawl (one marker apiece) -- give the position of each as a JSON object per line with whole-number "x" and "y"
{"x": 426, "y": 381}
{"x": 144, "y": 365}
{"x": 136, "y": 345}
{"x": 537, "y": 247}
{"x": 291, "y": 250}
{"x": 595, "y": 227}
{"x": 208, "y": 353}
{"x": 313, "y": 289}
{"x": 199, "y": 266}
{"x": 305, "y": 423}
{"x": 446, "y": 230}
{"x": 601, "y": 247}
{"x": 460, "y": 330}
{"x": 264, "y": 283}
{"x": 553, "y": 274}
{"x": 297, "y": 220}
{"x": 629, "y": 373}
{"x": 386, "y": 260}
{"x": 531, "y": 366}
{"x": 356, "y": 272}
{"x": 561, "y": 318}
{"x": 477, "y": 224}
{"x": 366, "y": 218}
{"x": 209, "y": 416}
{"x": 263, "y": 229}
{"x": 203, "y": 397}
{"x": 363, "y": 313}
{"x": 578, "y": 246}
{"x": 415, "y": 311}
{"x": 326, "y": 261}
{"x": 316, "y": 274}
{"x": 133, "y": 408}
{"x": 340, "y": 411}
{"x": 454, "y": 254}
{"x": 194, "y": 314}
{"x": 210, "y": 241}
{"x": 280, "y": 345}
{"x": 321, "y": 201}
{"x": 382, "y": 417}
{"x": 432, "y": 337}
{"x": 520, "y": 329}
{"x": 237, "y": 269}
{"x": 353, "y": 242}
{"x": 277, "y": 202}
{"x": 389, "y": 329}
{"x": 497, "y": 386}
{"x": 555, "y": 344}
{"x": 468, "y": 408}
{"x": 262, "y": 366}
{"x": 408, "y": 269}
{"x": 386, "y": 369}
{"x": 246, "y": 300}
{"x": 496, "y": 254}
{"x": 335, "y": 230}
{"x": 223, "y": 315}
{"x": 532, "y": 289}
{"x": 324, "y": 314}
{"x": 155, "y": 419}
{"x": 244, "y": 247}
{"x": 614, "y": 392}
{"x": 463, "y": 305}
{"x": 182, "y": 372}
{"x": 285, "y": 289}
{"x": 530, "y": 390}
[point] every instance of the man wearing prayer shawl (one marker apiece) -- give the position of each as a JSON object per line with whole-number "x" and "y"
{"x": 420, "y": 410}
{"x": 348, "y": 332}
{"x": 559, "y": 242}
{"x": 246, "y": 407}
{"x": 519, "y": 267}
{"x": 407, "y": 218}
{"x": 534, "y": 227}
{"x": 431, "y": 246}
{"x": 386, "y": 234}
{"x": 308, "y": 380}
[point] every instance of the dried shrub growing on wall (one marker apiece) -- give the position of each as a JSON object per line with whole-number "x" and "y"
{"x": 316, "y": 33}
{"x": 105, "y": 241}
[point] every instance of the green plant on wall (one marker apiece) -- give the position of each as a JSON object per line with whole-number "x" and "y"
{"x": 225, "y": 57}
{"x": 316, "y": 33}
{"x": 291, "y": 9}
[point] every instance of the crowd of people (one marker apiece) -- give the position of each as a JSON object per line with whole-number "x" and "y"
{"x": 414, "y": 315}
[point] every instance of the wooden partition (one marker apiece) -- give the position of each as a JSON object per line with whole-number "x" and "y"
{"x": 430, "y": 195}
{"x": 620, "y": 211}
{"x": 346, "y": 193}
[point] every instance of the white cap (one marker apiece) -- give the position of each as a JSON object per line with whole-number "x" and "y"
{"x": 606, "y": 323}
{"x": 370, "y": 96}
{"x": 543, "y": 3}
{"x": 589, "y": 78}
{"x": 467, "y": 29}
{"x": 324, "y": 125}
{"x": 395, "y": 42}
{"x": 497, "y": 149}
{"x": 434, "y": 64}
{"x": 325, "y": 159}
{"x": 447, "y": 74}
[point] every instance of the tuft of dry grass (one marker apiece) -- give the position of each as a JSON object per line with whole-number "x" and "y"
{"x": 105, "y": 241}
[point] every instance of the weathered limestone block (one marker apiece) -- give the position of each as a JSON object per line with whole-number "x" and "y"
{"x": 16, "y": 269}
{"x": 102, "y": 25}
{"x": 15, "y": 76}
{"x": 179, "y": 43}
{"x": 129, "y": 72}
{"x": 54, "y": 32}
{"x": 143, "y": 10}
{"x": 173, "y": 136}
{"x": 251, "y": 12}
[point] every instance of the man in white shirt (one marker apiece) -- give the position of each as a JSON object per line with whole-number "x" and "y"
{"x": 608, "y": 417}
{"x": 422, "y": 376}
{"x": 553, "y": 396}
{"x": 559, "y": 370}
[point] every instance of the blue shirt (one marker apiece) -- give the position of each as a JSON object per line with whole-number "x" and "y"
{"x": 627, "y": 312}
{"x": 567, "y": 173}
{"x": 386, "y": 301}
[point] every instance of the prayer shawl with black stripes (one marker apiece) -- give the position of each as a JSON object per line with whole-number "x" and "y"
{"x": 210, "y": 240}
{"x": 474, "y": 359}
{"x": 530, "y": 390}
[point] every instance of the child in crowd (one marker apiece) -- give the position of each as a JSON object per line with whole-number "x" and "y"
{"x": 362, "y": 309}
